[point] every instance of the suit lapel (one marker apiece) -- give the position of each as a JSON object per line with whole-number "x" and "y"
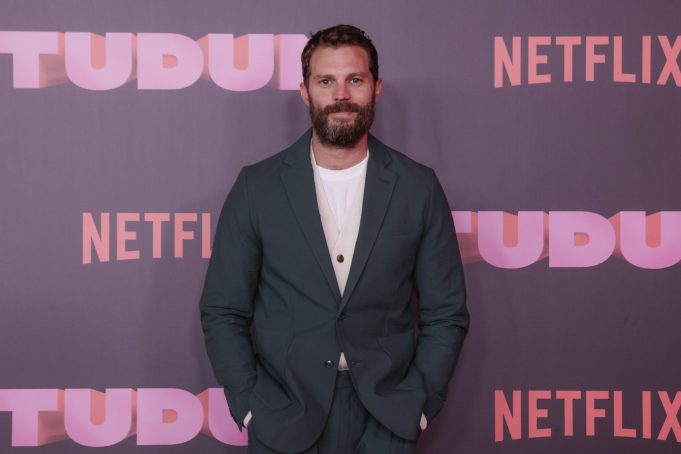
{"x": 298, "y": 179}
{"x": 378, "y": 188}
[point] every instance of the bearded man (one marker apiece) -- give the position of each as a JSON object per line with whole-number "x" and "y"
{"x": 319, "y": 250}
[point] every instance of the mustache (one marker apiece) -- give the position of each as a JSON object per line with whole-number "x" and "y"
{"x": 343, "y": 106}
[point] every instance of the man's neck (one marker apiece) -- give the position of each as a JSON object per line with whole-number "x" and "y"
{"x": 338, "y": 158}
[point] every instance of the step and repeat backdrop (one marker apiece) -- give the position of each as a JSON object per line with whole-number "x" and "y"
{"x": 553, "y": 127}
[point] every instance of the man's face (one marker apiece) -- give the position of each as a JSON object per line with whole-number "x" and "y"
{"x": 341, "y": 94}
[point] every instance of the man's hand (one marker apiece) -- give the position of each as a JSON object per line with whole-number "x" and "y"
{"x": 424, "y": 422}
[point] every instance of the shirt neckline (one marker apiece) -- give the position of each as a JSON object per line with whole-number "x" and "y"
{"x": 340, "y": 174}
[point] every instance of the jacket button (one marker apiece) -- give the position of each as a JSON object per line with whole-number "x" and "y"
{"x": 328, "y": 364}
{"x": 340, "y": 258}
{"x": 341, "y": 316}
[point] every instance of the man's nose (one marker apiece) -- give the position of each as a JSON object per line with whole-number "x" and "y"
{"x": 342, "y": 92}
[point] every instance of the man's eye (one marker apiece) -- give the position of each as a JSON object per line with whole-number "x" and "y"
{"x": 356, "y": 80}
{"x": 325, "y": 81}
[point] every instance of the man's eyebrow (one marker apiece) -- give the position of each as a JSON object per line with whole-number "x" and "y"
{"x": 331, "y": 76}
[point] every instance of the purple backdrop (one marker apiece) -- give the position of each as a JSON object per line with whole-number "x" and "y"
{"x": 601, "y": 147}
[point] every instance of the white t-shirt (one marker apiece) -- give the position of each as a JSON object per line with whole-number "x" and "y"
{"x": 340, "y": 187}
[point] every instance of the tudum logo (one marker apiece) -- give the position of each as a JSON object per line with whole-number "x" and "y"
{"x": 157, "y": 61}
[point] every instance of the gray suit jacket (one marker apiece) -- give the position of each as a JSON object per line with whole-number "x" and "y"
{"x": 270, "y": 271}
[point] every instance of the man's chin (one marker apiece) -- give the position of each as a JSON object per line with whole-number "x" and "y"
{"x": 339, "y": 143}
{"x": 344, "y": 130}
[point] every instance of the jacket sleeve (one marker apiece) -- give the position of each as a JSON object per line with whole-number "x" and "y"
{"x": 226, "y": 303}
{"x": 440, "y": 288}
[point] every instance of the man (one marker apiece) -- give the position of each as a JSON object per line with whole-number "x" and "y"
{"x": 319, "y": 249}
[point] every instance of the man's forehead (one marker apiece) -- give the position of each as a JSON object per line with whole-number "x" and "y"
{"x": 339, "y": 59}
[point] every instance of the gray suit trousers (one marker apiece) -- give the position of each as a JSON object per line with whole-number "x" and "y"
{"x": 349, "y": 429}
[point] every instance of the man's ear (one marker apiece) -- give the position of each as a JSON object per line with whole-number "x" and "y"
{"x": 304, "y": 94}
{"x": 377, "y": 89}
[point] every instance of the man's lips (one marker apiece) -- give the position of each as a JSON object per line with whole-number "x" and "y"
{"x": 344, "y": 113}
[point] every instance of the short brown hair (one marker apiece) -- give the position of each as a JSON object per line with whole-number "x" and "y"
{"x": 336, "y": 36}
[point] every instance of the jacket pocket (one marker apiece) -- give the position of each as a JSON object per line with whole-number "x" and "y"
{"x": 400, "y": 349}
{"x": 270, "y": 386}
{"x": 270, "y": 393}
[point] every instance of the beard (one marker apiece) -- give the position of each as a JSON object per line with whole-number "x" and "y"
{"x": 342, "y": 133}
